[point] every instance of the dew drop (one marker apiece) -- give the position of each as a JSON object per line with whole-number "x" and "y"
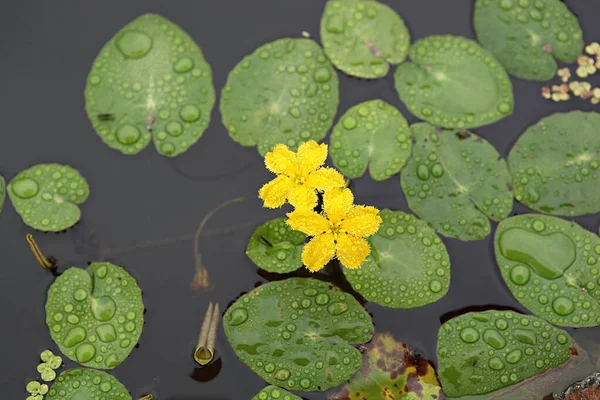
{"x": 189, "y": 113}
{"x": 349, "y": 123}
{"x": 322, "y": 75}
{"x": 423, "y": 172}
{"x": 337, "y": 308}
{"x": 174, "y": 128}
{"x": 184, "y": 64}
{"x": 494, "y": 339}
{"x": 128, "y": 134}
{"x": 469, "y": 335}
{"x": 563, "y": 306}
{"x": 103, "y": 308}
{"x": 496, "y": 364}
{"x": 85, "y": 353}
{"x": 238, "y": 316}
{"x": 25, "y": 188}
{"x": 322, "y": 299}
{"x": 80, "y": 294}
{"x": 514, "y": 356}
{"x": 133, "y": 44}
{"x": 435, "y": 286}
{"x": 520, "y": 274}
{"x": 75, "y": 336}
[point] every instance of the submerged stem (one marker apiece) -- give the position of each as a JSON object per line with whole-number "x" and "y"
{"x": 201, "y": 280}
{"x": 46, "y": 263}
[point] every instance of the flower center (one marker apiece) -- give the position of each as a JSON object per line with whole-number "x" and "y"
{"x": 335, "y": 228}
{"x": 300, "y": 180}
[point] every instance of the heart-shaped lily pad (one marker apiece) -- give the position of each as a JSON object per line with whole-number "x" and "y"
{"x": 456, "y": 181}
{"x": 391, "y": 371}
{"x": 373, "y": 134}
{"x": 150, "y": 79}
{"x": 285, "y": 92}
{"x": 455, "y": 83}
{"x": 552, "y": 267}
{"x": 363, "y": 37}
{"x": 555, "y": 164}
{"x": 408, "y": 266}
{"x": 526, "y": 35}
{"x": 83, "y": 383}
{"x": 95, "y": 316}
{"x": 481, "y": 352}
{"x": 47, "y": 196}
{"x": 275, "y": 247}
{"x": 2, "y": 192}
{"x": 299, "y": 333}
{"x": 275, "y": 393}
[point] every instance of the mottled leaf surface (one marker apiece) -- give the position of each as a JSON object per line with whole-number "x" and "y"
{"x": 95, "y": 316}
{"x": 483, "y": 352}
{"x": 453, "y": 82}
{"x": 47, "y": 196}
{"x": 275, "y": 247}
{"x": 363, "y": 37}
{"x": 408, "y": 266}
{"x": 371, "y": 134}
{"x": 150, "y": 81}
{"x": 391, "y": 371}
{"x": 299, "y": 333}
{"x": 83, "y": 383}
{"x": 285, "y": 92}
{"x": 526, "y": 36}
{"x": 551, "y": 266}
{"x": 456, "y": 181}
{"x": 554, "y": 164}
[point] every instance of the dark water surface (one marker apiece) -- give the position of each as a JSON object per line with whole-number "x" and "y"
{"x": 144, "y": 209}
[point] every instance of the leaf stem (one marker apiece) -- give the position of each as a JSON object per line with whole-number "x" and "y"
{"x": 45, "y": 263}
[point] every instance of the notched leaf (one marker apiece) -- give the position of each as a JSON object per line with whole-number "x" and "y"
{"x": 391, "y": 371}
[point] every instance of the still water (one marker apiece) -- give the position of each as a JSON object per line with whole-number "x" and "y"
{"x": 144, "y": 210}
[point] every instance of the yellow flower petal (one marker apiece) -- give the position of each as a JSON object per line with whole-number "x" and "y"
{"x": 307, "y": 221}
{"x": 311, "y": 156}
{"x": 281, "y": 160}
{"x": 352, "y": 251}
{"x": 303, "y": 197}
{"x": 362, "y": 221}
{"x": 336, "y": 203}
{"x": 275, "y": 192}
{"x": 318, "y": 252}
{"x": 325, "y": 179}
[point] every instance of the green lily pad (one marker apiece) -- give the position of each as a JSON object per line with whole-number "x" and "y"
{"x": 408, "y": 266}
{"x": 2, "y": 192}
{"x": 455, "y": 83}
{"x": 456, "y": 181}
{"x": 373, "y": 134}
{"x": 555, "y": 164}
{"x": 299, "y": 333}
{"x": 47, "y": 196}
{"x": 552, "y": 267}
{"x": 275, "y": 393}
{"x": 95, "y": 316}
{"x": 481, "y": 352}
{"x": 526, "y": 35}
{"x": 275, "y": 247}
{"x": 363, "y": 37}
{"x": 285, "y": 92}
{"x": 83, "y": 383}
{"x": 150, "y": 80}
{"x": 391, "y": 371}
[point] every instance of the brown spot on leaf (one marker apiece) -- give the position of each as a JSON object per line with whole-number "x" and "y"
{"x": 547, "y": 48}
{"x": 573, "y": 351}
{"x": 463, "y": 134}
{"x": 373, "y": 48}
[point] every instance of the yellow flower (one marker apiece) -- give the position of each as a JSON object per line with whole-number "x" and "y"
{"x": 586, "y": 66}
{"x": 564, "y": 74}
{"x": 299, "y": 175}
{"x": 339, "y": 231}
{"x": 593, "y": 48}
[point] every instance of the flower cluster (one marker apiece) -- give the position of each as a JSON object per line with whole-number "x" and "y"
{"x": 587, "y": 64}
{"x": 340, "y": 229}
